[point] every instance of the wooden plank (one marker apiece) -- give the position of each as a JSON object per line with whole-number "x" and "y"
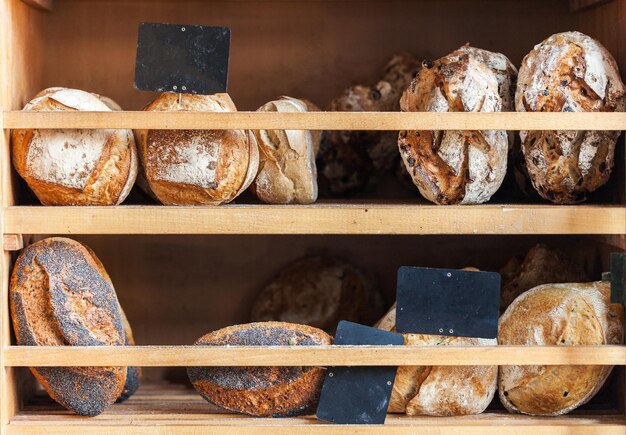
{"x": 42, "y": 5}
{"x": 579, "y": 5}
{"x": 12, "y": 242}
{"x": 317, "y": 120}
{"x": 181, "y": 356}
{"x": 321, "y": 218}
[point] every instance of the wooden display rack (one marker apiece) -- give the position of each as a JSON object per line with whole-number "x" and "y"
{"x": 89, "y": 45}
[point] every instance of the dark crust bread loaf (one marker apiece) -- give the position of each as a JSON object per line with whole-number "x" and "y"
{"x": 569, "y": 72}
{"x": 319, "y": 291}
{"x": 61, "y": 295}
{"x": 196, "y": 167}
{"x": 455, "y": 167}
{"x": 565, "y": 315}
{"x": 262, "y": 391}
{"x": 75, "y": 167}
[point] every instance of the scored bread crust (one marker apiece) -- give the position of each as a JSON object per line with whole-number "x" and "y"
{"x": 287, "y": 172}
{"x": 557, "y": 314}
{"x": 196, "y": 167}
{"x": 86, "y": 314}
{"x": 455, "y": 167}
{"x": 75, "y": 167}
{"x": 569, "y": 72}
{"x": 262, "y": 391}
{"x": 440, "y": 390}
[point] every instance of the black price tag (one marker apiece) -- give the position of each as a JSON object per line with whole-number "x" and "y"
{"x": 448, "y": 302}
{"x": 617, "y": 277}
{"x": 182, "y": 58}
{"x": 358, "y": 395}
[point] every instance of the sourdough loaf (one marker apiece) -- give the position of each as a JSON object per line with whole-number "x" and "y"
{"x": 196, "y": 167}
{"x": 440, "y": 390}
{"x": 569, "y": 72}
{"x": 61, "y": 295}
{"x": 563, "y": 315}
{"x": 262, "y": 391}
{"x": 399, "y": 72}
{"x": 287, "y": 173}
{"x": 75, "y": 167}
{"x": 319, "y": 291}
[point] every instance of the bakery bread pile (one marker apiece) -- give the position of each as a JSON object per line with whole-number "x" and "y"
{"x": 60, "y": 295}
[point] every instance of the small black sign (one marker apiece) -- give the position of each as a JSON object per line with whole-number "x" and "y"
{"x": 358, "y": 395}
{"x": 448, "y": 302}
{"x": 617, "y": 277}
{"x": 182, "y": 58}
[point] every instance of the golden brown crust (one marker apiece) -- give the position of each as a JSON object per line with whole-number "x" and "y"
{"x": 74, "y": 167}
{"x": 196, "y": 167}
{"x": 262, "y": 391}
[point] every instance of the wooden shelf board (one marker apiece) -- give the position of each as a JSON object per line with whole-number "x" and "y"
{"x": 177, "y": 409}
{"x": 320, "y": 218}
{"x": 162, "y": 356}
{"x": 318, "y": 120}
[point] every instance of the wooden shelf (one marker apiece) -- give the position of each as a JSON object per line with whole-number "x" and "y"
{"x": 318, "y": 120}
{"x": 320, "y": 218}
{"x": 161, "y": 356}
{"x": 177, "y": 409}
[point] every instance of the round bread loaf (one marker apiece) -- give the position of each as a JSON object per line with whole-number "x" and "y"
{"x": 287, "y": 173}
{"x": 440, "y": 390}
{"x": 196, "y": 167}
{"x": 75, "y": 167}
{"x": 400, "y": 72}
{"x": 455, "y": 167}
{"x": 262, "y": 391}
{"x": 61, "y": 295}
{"x": 569, "y": 72}
{"x": 319, "y": 292}
{"x": 564, "y": 315}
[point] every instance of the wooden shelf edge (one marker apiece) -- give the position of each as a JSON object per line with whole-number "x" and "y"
{"x": 318, "y": 120}
{"x": 325, "y": 356}
{"x": 321, "y": 218}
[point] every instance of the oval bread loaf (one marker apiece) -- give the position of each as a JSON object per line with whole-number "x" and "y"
{"x": 196, "y": 167}
{"x": 440, "y": 390}
{"x": 262, "y": 391}
{"x": 569, "y": 72}
{"x": 563, "y": 315}
{"x": 75, "y": 167}
{"x": 61, "y": 295}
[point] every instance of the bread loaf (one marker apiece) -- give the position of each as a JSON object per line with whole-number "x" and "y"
{"x": 440, "y": 390}
{"x": 456, "y": 167}
{"x": 569, "y": 72}
{"x": 319, "y": 291}
{"x": 75, "y": 167}
{"x": 287, "y": 172}
{"x": 262, "y": 391}
{"x": 196, "y": 167}
{"x": 399, "y": 72}
{"x": 61, "y": 295}
{"x": 564, "y": 315}
{"x": 133, "y": 374}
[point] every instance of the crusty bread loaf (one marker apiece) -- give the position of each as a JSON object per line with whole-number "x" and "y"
{"x": 133, "y": 374}
{"x": 564, "y": 315}
{"x": 75, "y": 167}
{"x": 319, "y": 291}
{"x": 287, "y": 173}
{"x": 196, "y": 167}
{"x": 569, "y": 72}
{"x": 455, "y": 167}
{"x": 262, "y": 391}
{"x": 61, "y": 295}
{"x": 541, "y": 265}
{"x": 399, "y": 72}
{"x": 440, "y": 390}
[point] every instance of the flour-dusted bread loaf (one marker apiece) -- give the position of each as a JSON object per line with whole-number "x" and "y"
{"x": 564, "y": 315}
{"x": 61, "y": 295}
{"x": 440, "y": 390}
{"x": 287, "y": 173}
{"x": 569, "y": 72}
{"x": 262, "y": 391}
{"x": 455, "y": 167}
{"x": 541, "y": 265}
{"x": 196, "y": 167}
{"x": 319, "y": 291}
{"x": 75, "y": 167}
